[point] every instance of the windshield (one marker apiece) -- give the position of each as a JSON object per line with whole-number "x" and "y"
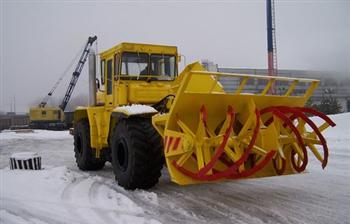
{"x": 133, "y": 64}
{"x": 163, "y": 65}
{"x": 145, "y": 66}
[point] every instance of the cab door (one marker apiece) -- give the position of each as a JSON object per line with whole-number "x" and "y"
{"x": 109, "y": 82}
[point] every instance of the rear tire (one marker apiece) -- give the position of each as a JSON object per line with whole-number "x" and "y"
{"x": 84, "y": 154}
{"x": 137, "y": 153}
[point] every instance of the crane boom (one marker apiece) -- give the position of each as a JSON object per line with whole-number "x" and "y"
{"x": 44, "y": 101}
{"x": 76, "y": 73}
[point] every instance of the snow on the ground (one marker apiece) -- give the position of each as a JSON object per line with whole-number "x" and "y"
{"x": 61, "y": 193}
{"x": 36, "y": 134}
{"x": 342, "y": 128}
{"x": 24, "y": 155}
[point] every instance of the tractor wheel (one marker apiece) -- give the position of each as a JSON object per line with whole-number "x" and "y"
{"x": 84, "y": 154}
{"x": 137, "y": 153}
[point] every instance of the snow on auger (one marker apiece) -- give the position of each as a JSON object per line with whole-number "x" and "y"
{"x": 204, "y": 132}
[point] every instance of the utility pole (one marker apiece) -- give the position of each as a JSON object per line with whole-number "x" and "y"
{"x": 14, "y": 104}
{"x": 271, "y": 41}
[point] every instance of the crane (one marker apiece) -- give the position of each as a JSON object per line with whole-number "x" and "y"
{"x": 53, "y": 117}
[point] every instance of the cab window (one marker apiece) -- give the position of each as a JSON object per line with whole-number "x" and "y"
{"x": 142, "y": 66}
{"x": 134, "y": 64}
{"x": 102, "y": 71}
{"x": 109, "y": 76}
{"x": 116, "y": 66}
{"x": 163, "y": 65}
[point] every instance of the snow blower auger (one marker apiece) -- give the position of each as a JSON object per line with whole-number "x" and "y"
{"x": 211, "y": 134}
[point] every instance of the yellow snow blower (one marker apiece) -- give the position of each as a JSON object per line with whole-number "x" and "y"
{"x": 144, "y": 113}
{"x": 211, "y": 134}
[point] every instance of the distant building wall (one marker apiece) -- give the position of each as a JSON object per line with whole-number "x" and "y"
{"x": 6, "y": 121}
{"x": 209, "y": 65}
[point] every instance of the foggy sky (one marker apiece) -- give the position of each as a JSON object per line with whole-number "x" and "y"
{"x": 40, "y": 38}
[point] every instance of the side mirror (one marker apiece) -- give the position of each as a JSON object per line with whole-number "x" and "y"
{"x": 182, "y": 56}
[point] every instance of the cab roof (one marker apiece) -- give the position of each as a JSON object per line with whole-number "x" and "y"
{"x": 139, "y": 47}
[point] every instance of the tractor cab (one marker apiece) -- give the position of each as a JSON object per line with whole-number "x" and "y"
{"x": 137, "y": 73}
{"x": 143, "y": 66}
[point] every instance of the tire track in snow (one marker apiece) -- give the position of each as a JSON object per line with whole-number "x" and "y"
{"x": 9, "y": 217}
{"x": 85, "y": 195}
{"x": 30, "y": 213}
{"x": 74, "y": 196}
{"x": 108, "y": 213}
{"x": 93, "y": 195}
{"x": 202, "y": 204}
{"x": 300, "y": 203}
{"x": 168, "y": 212}
{"x": 104, "y": 214}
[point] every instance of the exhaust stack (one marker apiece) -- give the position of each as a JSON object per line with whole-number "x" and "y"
{"x": 92, "y": 78}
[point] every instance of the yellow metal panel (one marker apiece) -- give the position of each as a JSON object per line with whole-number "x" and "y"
{"x": 46, "y": 114}
{"x": 146, "y": 93}
{"x": 99, "y": 119}
{"x": 138, "y": 47}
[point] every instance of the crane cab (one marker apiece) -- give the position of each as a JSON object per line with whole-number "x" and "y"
{"x": 46, "y": 118}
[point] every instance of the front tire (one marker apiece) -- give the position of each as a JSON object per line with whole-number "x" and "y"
{"x": 84, "y": 154}
{"x": 137, "y": 153}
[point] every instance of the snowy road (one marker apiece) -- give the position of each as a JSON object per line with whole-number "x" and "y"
{"x": 63, "y": 194}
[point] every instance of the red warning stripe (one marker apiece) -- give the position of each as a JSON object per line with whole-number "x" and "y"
{"x": 176, "y": 144}
{"x": 169, "y": 143}
{"x": 165, "y": 141}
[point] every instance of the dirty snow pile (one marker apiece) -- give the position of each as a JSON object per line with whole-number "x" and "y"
{"x": 61, "y": 193}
